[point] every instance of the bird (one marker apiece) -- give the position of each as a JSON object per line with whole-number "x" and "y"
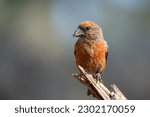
{"x": 91, "y": 50}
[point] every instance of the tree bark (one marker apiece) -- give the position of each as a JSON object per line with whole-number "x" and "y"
{"x": 98, "y": 89}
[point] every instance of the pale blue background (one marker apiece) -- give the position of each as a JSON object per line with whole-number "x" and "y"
{"x": 36, "y": 47}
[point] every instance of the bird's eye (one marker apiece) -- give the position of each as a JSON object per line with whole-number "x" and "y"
{"x": 87, "y": 28}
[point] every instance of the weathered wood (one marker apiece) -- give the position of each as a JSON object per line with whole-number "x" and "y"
{"x": 98, "y": 89}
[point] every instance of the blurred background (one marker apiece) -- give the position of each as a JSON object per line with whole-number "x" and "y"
{"x": 36, "y": 47}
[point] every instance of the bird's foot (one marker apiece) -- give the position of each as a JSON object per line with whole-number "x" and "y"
{"x": 98, "y": 78}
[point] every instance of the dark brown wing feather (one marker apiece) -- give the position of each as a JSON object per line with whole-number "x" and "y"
{"x": 106, "y": 55}
{"x": 74, "y": 52}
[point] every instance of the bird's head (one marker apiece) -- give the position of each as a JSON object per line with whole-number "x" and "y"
{"x": 89, "y": 30}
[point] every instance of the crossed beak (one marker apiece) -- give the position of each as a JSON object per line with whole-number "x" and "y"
{"x": 78, "y": 33}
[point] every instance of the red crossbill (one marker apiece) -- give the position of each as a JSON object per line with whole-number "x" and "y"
{"x": 91, "y": 50}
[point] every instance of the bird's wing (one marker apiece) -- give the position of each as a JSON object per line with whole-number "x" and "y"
{"x": 74, "y": 52}
{"x": 106, "y": 55}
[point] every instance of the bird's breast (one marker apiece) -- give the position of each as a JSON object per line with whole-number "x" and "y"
{"x": 90, "y": 55}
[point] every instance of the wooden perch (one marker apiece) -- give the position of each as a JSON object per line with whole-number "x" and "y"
{"x": 98, "y": 89}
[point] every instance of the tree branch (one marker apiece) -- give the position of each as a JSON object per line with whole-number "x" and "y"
{"x": 98, "y": 89}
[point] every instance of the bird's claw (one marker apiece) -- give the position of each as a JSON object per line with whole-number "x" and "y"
{"x": 98, "y": 78}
